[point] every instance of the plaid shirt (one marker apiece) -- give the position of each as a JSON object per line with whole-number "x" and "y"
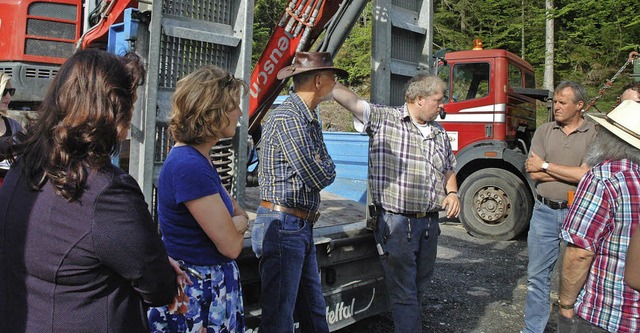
{"x": 294, "y": 163}
{"x": 406, "y": 170}
{"x": 601, "y": 220}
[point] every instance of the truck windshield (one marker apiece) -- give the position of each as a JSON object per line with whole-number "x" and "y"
{"x": 470, "y": 81}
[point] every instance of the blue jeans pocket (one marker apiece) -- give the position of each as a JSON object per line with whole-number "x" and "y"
{"x": 290, "y": 224}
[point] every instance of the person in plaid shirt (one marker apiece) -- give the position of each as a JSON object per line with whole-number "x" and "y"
{"x": 294, "y": 167}
{"x": 593, "y": 296}
{"x": 411, "y": 177}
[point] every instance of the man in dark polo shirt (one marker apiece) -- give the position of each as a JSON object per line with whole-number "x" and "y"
{"x": 556, "y": 164}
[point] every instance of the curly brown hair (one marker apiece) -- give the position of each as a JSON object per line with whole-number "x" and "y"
{"x": 200, "y": 102}
{"x": 84, "y": 115}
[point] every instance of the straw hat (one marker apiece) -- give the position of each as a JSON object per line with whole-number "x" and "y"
{"x": 310, "y": 61}
{"x": 623, "y": 122}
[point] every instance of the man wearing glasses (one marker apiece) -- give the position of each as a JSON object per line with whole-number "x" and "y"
{"x": 411, "y": 177}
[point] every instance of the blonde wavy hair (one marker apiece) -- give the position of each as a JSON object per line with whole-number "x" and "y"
{"x": 4, "y": 78}
{"x": 200, "y": 104}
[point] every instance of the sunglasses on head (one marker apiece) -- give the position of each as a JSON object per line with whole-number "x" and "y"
{"x": 11, "y": 91}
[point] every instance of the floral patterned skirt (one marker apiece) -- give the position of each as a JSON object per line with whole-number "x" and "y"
{"x": 212, "y": 304}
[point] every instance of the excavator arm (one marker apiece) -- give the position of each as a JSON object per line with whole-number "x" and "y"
{"x": 302, "y": 23}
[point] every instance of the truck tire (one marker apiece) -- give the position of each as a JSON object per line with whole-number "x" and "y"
{"x": 496, "y": 204}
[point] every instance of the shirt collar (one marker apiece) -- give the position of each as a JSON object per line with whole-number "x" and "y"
{"x": 405, "y": 116}
{"x": 307, "y": 113}
{"x": 585, "y": 126}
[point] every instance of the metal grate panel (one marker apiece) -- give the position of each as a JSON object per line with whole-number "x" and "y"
{"x": 218, "y": 11}
{"x": 406, "y": 45}
{"x": 53, "y": 10}
{"x": 397, "y": 85}
{"x": 163, "y": 142}
{"x": 47, "y": 48}
{"x": 179, "y": 57}
{"x": 50, "y": 29}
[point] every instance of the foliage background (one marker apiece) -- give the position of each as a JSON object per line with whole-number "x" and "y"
{"x": 593, "y": 38}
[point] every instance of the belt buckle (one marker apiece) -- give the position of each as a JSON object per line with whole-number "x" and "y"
{"x": 421, "y": 215}
{"x": 313, "y": 217}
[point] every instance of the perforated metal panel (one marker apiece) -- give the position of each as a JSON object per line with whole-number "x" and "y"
{"x": 53, "y": 10}
{"x": 48, "y": 48}
{"x": 51, "y": 29}
{"x": 43, "y": 27}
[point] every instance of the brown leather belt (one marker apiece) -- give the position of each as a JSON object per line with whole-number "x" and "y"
{"x": 553, "y": 204}
{"x": 297, "y": 212}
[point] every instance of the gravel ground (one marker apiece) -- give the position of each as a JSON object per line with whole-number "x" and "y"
{"x": 478, "y": 286}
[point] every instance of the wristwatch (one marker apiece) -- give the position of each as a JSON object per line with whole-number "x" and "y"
{"x": 565, "y": 307}
{"x": 545, "y": 165}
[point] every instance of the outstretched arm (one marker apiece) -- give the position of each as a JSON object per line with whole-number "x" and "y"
{"x": 349, "y": 100}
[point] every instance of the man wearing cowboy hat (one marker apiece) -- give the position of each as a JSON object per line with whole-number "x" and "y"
{"x": 294, "y": 167}
{"x": 411, "y": 177}
{"x": 593, "y": 296}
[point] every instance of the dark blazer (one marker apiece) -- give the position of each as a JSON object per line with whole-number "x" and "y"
{"x": 92, "y": 265}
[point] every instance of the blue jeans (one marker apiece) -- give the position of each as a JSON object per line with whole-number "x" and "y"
{"x": 543, "y": 245}
{"x": 289, "y": 273}
{"x": 410, "y": 246}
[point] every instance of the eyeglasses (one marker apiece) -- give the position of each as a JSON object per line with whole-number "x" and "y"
{"x": 335, "y": 77}
{"x": 11, "y": 91}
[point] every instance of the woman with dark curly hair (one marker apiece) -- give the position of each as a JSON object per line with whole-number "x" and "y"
{"x": 201, "y": 224}
{"x": 78, "y": 248}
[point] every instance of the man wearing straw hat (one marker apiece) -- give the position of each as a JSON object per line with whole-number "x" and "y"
{"x": 593, "y": 296}
{"x": 294, "y": 167}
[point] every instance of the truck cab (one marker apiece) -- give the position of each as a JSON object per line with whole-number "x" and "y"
{"x": 490, "y": 118}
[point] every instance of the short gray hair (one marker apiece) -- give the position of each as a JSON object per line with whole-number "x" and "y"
{"x": 423, "y": 85}
{"x": 579, "y": 93}
{"x": 607, "y": 146}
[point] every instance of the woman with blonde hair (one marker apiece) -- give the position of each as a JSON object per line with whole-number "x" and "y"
{"x": 202, "y": 225}
{"x": 8, "y": 127}
{"x": 78, "y": 248}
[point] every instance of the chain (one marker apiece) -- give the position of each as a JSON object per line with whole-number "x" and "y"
{"x": 632, "y": 56}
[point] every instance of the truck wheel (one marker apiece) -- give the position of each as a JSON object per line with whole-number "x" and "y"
{"x": 496, "y": 204}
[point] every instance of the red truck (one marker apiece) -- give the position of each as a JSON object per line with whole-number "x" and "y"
{"x": 490, "y": 118}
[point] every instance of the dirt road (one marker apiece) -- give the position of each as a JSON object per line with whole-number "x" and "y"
{"x": 478, "y": 286}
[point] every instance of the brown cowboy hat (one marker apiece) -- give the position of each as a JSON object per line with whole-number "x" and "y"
{"x": 623, "y": 122}
{"x": 310, "y": 61}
